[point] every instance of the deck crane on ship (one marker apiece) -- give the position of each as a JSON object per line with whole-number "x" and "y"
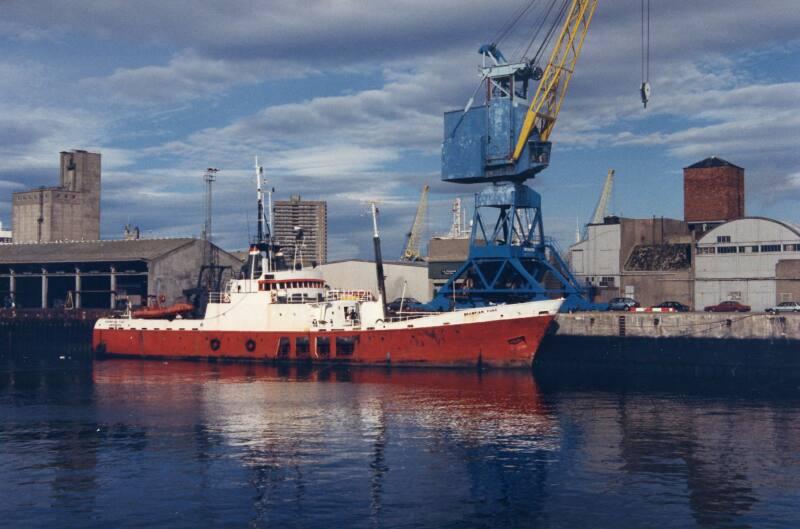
{"x": 504, "y": 142}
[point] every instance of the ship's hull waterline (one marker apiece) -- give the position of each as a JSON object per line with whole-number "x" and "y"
{"x": 495, "y": 343}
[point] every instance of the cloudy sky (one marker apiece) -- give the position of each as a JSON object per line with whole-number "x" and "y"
{"x": 343, "y": 101}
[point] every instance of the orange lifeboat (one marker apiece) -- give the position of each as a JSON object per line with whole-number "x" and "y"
{"x": 154, "y": 313}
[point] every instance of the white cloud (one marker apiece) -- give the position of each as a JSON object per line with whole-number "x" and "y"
{"x": 188, "y": 76}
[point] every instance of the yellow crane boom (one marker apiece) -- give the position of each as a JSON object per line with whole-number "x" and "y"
{"x": 546, "y": 103}
{"x": 412, "y": 250}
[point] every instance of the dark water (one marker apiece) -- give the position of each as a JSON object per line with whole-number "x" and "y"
{"x": 151, "y": 444}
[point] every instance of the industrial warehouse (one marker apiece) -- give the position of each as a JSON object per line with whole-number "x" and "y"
{"x": 714, "y": 254}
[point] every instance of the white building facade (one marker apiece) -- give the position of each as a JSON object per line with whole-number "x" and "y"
{"x": 596, "y": 260}
{"x": 737, "y": 261}
{"x": 401, "y": 278}
{"x": 5, "y": 235}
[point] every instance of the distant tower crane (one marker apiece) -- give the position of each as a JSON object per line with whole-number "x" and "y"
{"x": 504, "y": 142}
{"x": 601, "y": 209}
{"x": 411, "y": 250}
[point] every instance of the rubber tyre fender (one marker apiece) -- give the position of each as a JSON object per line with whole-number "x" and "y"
{"x": 215, "y": 344}
{"x": 250, "y": 345}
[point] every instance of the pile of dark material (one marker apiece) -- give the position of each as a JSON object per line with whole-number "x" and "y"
{"x": 659, "y": 257}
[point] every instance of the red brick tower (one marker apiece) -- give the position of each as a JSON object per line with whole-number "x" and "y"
{"x": 713, "y": 191}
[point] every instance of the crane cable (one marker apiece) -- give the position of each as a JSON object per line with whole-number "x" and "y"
{"x": 645, "y": 88}
{"x": 549, "y": 32}
{"x": 557, "y": 22}
{"x": 513, "y": 21}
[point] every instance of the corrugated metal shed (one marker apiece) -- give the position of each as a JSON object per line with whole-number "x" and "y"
{"x": 91, "y": 251}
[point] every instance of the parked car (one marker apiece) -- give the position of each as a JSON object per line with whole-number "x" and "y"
{"x": 622, "y": 304}
{"x": 678, "y": 307}
{"x": 409, "y": 304}
{"x": 728, "y": 306}
{"x": 786, "y": 306}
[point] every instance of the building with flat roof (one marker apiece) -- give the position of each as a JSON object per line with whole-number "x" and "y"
{"x": 401, "y": 277}
{"x": 647, "y": 259}
{"x": 95, "y": 274}
{"x": 445, "y": 257}
{"x": 6, "y": 236}
{"x": 294, "y": 217}
{"x": 69, "y": 211}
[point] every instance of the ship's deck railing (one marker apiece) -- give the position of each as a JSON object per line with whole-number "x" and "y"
{"x": 405, "y": 316}
{"x": 219, "y": 297}
{"x": 349, "y": 295}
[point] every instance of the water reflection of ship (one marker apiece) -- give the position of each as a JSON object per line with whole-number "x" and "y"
{"x": 486, "y": 440}
{"x": 483, "y": 427}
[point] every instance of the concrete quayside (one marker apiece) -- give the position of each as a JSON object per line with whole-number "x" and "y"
{"x": 734, "y": 341}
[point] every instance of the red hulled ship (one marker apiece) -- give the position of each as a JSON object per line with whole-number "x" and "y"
{"x": 275, "y": 312}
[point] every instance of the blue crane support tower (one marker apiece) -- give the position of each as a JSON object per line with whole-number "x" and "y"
{"x": 504, "y": 142}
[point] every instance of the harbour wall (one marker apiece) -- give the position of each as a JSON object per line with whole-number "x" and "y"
{"x": 745, "y": 342}
{"x": 38, "y": 335}
{"x": 733, "y": 343}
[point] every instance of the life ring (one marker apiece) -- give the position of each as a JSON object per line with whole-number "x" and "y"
{"x": 250, "y": 345}
{"x": 215, "y": 344}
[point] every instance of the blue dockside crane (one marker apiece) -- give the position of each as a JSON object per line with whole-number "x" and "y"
{"x": 504, "y": 142}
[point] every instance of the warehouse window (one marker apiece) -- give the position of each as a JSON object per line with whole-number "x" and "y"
{"x": 770, "y": 247}
{"x": 754, "y": 249}
{"x": 727, "y": 249}
{"x": 706, "y": 250}
{"x": 742, "y": 249}
{"x": 791, "y": 247}
{"x": 723, "y": 238}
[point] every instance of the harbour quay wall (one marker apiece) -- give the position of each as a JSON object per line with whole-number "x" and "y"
{"x": 35, "y": 333}
{"x": 730, "y": 341}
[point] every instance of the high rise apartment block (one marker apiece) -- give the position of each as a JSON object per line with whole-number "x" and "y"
{"x": 290, "y": 217}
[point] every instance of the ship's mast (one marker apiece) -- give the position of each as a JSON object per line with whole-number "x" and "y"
{"x": 262, "y": 247}
{"x": 376, "y": 242}
{"x": 260, "y": 197}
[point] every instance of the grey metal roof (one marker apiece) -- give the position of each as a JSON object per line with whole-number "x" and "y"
{"x": 712, "y": 161}
{"x": 372, "y": 261}
{"x": 788, "y": 226}
{"x": 91, "y": 251}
